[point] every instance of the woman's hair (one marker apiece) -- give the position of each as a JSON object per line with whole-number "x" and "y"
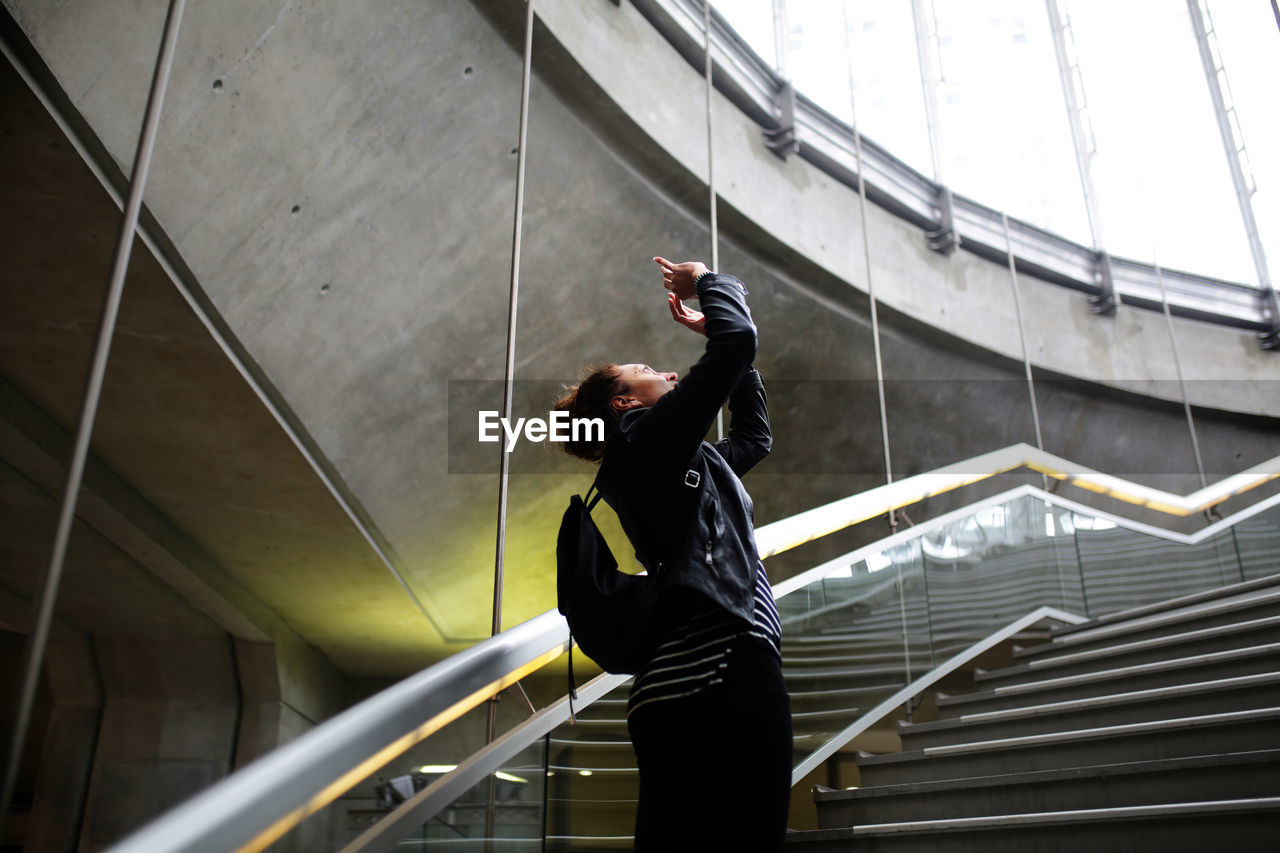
{"x": 590, "y": 398}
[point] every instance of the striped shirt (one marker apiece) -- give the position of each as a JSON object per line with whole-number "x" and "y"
{"x": 693, "y": 652}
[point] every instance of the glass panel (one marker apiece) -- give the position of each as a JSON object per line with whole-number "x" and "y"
{"x": 515, "y": 821}
{"x": 1247, "y": 37}
{"x": 850, "y": 640}
{"x": 1002, "y": 114}
{"x": 1000, "y": 563}
{"x": 816, "y": 54}
{"x": 1123, "y": 568}
{"x": 519, "y": 792}
{"x": 592, "y": 780}
{"x": 753, "y": 20}
{"x": 1258, "y": 544}
{"x": 886, "y": 70}
{"x": 1151, "y": 112}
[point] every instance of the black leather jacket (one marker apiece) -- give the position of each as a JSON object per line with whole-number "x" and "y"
{"x": 679, "y": 498}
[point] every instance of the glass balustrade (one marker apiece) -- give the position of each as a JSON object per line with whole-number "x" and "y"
{"x": 856, "y": 632}
{"x": 504, "y": 812}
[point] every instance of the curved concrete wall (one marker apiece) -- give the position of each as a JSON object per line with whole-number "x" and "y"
{"x": 339, "y": 181}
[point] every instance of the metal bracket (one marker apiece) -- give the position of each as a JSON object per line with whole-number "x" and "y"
{"x": 782, "y": 139}
{"x": 1270, "y": 339}
{"x": 944, "y": 239}
{"x": 1106, "y": 300}
{"x": 518, "y": 689}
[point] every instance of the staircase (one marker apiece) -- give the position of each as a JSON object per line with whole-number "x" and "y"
{"x": 593, "y": 784}
{"x": 1154, "y": 726}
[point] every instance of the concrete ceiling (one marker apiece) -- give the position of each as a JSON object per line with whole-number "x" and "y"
{"x": 335, "y": 188}
{"x": 199, "y": 514}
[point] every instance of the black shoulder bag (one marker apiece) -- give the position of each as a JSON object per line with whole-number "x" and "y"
{"x": 609, "y": 612}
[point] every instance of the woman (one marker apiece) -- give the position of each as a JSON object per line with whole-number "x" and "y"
{"x": 709, "y": 715}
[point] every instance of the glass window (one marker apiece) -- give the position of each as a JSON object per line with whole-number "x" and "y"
{"x": 1160, "y": 171}
{"x": 1247, "y": 39}
{"x": 885, "y": 69}
{"x": 753, "y": 20}
{"x": 1006, "y": 140}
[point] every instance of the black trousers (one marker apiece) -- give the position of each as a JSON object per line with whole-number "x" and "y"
{"x": 715, "y": 767}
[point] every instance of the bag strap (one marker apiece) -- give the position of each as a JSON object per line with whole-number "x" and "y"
{"x": 589, "y": 501}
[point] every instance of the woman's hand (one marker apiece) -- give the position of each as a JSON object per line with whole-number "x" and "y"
{"x": 680, "y": 278}
{"x": 685, "y": 317}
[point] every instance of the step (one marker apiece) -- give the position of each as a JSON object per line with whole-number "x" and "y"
{"x": 1171, "y": 604}
{"x": 604, "y": 783}
{"x": 1258, "y": 604}
{"x": 585, "y": 816}
{"x": 1242, "y": 731}
{"x": 1201, "y": 641}
{"x": 567, "y": 843}
{"x": 1218, "y": 696}
{"x": 1229, "y": 664}
{"x": 1235, "y": 825}
{"x": 1171, "y": 780}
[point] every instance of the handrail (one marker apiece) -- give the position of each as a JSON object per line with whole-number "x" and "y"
{"x": 426, "y": 803}
{"x": 254, "y": 807}
{"x": 806, "y": 526}
{"x": 259, "y": 803}
{"x": 924, "y": 682}
{"x": 449, "y": 787}
{"x": 1027, "y": 490}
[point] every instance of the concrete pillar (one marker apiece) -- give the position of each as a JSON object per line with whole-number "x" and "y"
{"x": 168, "y": 729}
{"x": 66, "y": 753}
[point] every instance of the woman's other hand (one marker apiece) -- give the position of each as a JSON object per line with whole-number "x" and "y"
{"x": 684, "y": 316}
{"x": 680, "y": 278}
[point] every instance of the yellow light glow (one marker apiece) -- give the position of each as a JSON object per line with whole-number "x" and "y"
{"x": 1086, "y": 484}
{"x": 397, "y": 747}
{"x": 584, "y": 772}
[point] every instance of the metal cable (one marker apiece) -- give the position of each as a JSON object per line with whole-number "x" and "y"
{"x": 711, "y": 167}
{"x": 1177, "y": 367}
{"x": 47, "y": 596}
{"x": 866, "y": 251}
{"x": 508, "y": 388}
{"x": 1022, "y": 337}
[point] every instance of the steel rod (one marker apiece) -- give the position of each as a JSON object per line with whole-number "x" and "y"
{"x": 866, "y": 253}
{"x": 38, "y": 640}
{"x": 1022, "y": 338}
{"x": 781, "y": 37}
{"x": 711, "y": 161}
{"x": 1177, "y": 368}
{"x": 711, "y": 166}
{"x": 1233, "y": 147}
{"x": 924, "y": 22}
{"x": 508, "y": 391}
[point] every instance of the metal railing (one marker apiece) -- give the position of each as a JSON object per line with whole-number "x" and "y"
{"x": 257, "y": 805}
{"x": 449, "y": 787}
{"x": 920, "y": 685}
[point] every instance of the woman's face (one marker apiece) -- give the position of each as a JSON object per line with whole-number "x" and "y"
{"x": 645, "y": 386}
